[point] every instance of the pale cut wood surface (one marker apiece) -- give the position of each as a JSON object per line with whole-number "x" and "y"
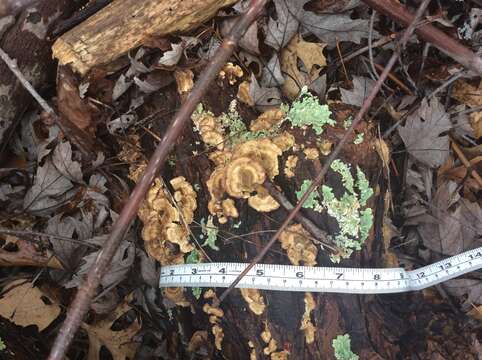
{"x": 126, "y": 24}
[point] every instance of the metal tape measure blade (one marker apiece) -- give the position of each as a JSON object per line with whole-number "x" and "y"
{"x": 321, "y": 279}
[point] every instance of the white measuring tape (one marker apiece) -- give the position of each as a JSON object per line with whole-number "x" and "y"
{"x": 321, "y": 279}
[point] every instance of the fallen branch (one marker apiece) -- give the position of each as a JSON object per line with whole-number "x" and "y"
{"x": 125, "y": 24}
{"x": 334, "y": 154}
{"x": 445, "y": 43}
{"x": 82, "y": 300}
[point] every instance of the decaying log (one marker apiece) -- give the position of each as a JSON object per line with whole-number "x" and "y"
{"x": 25, "y": 39}
{"x": 126, "y": 24}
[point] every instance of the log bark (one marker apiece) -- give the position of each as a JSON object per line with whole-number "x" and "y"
{"x": 126, "y": 24}
{"x": 25, "y": 39}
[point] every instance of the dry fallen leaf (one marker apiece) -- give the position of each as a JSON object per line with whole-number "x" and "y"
{"x": 50, "y": 190}
{"x": 421, "y": 133}
{"x": 264, "y": 98}
{"x": 310, "y": 55}
{"x": 328, "y": 27}
{"x": 120, "y": 343}
{"x": 362, "y": 86}
{"x": 24, "y": 305}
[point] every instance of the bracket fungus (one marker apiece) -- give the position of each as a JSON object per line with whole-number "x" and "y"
{"x": 290, "y": 166}
{"x": 242, "y": 176}
{"x": 262, "y": 150}
{"x": 262, "y": 201}
{"x": 209, "y": 127}
{"x": 163, "y": 221}
{"x": 254, "y": 299}
{"x": 306, "y": 324}
{"x": 267, "y": 120}
{"x": 299, "y": 248}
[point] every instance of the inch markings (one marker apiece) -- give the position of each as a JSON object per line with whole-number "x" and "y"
{"x": 321, "y": 279}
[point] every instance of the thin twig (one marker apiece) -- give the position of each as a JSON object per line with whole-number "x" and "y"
{"x": 12, "y": 65}
{"x": 82, "y": 300}
{"x": 366, "y": 105}
{"x": 28, "y": 233}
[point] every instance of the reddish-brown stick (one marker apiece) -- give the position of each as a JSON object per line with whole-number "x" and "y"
{"x": 334, "y": 154}
{"x": 445, "y": 43}
{"x": 83, "y": 298}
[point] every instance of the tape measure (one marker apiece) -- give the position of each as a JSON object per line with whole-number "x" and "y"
{"x": 321, "y": 279}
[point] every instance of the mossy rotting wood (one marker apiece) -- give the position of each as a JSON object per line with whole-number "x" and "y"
{"x": 126, "y": 24}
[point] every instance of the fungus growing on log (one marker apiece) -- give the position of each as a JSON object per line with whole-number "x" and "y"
{"x": 299, "y": 248}
{"x": 290, "y": 166}
{"x": 306, "y": 324}
{"x": 267, "y": 120}
{"x": 262, "y": 201}
{"x": 262, "y": 150}
{"x": 163, "y": 222}
{"x": 254, "y": 299}
{"x": 242, "y": 176}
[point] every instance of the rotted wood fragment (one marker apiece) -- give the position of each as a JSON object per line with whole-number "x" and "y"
{"x": 126, "y": 24}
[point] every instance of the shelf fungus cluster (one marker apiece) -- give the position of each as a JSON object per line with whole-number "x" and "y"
{"x": 299, "y": 248}
{"x": 215, "y": 313}
{"x": 165, "y": 232}
{"x": 272, "y": 346}
{"x": 254, "y": 299}
{"x": 306, "y": 324}
{"x": 241, "y": 176}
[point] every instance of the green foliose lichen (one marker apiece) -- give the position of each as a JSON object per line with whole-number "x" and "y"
{"x": 313, "y": 201}
{"x": 342, "y": 348}
{"x": 354, "y": 222}
{"x": 193, "y": 258}
{"x": 353, "y": 219}
{"x": 307, "y": 111}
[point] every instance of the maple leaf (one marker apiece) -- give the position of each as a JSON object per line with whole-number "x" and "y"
{"x": 421, "y": 133}
{"x": 49, "y": 191}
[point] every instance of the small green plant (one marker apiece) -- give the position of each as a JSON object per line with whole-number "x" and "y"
{"x": 354, "y": 221}
{"x": 2, "y": 345}
{"x": 307, "y": 111}
{"x": 193, "y": 258}
{"x": 342, "y": 347}
{"x": 210, "y": 231}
